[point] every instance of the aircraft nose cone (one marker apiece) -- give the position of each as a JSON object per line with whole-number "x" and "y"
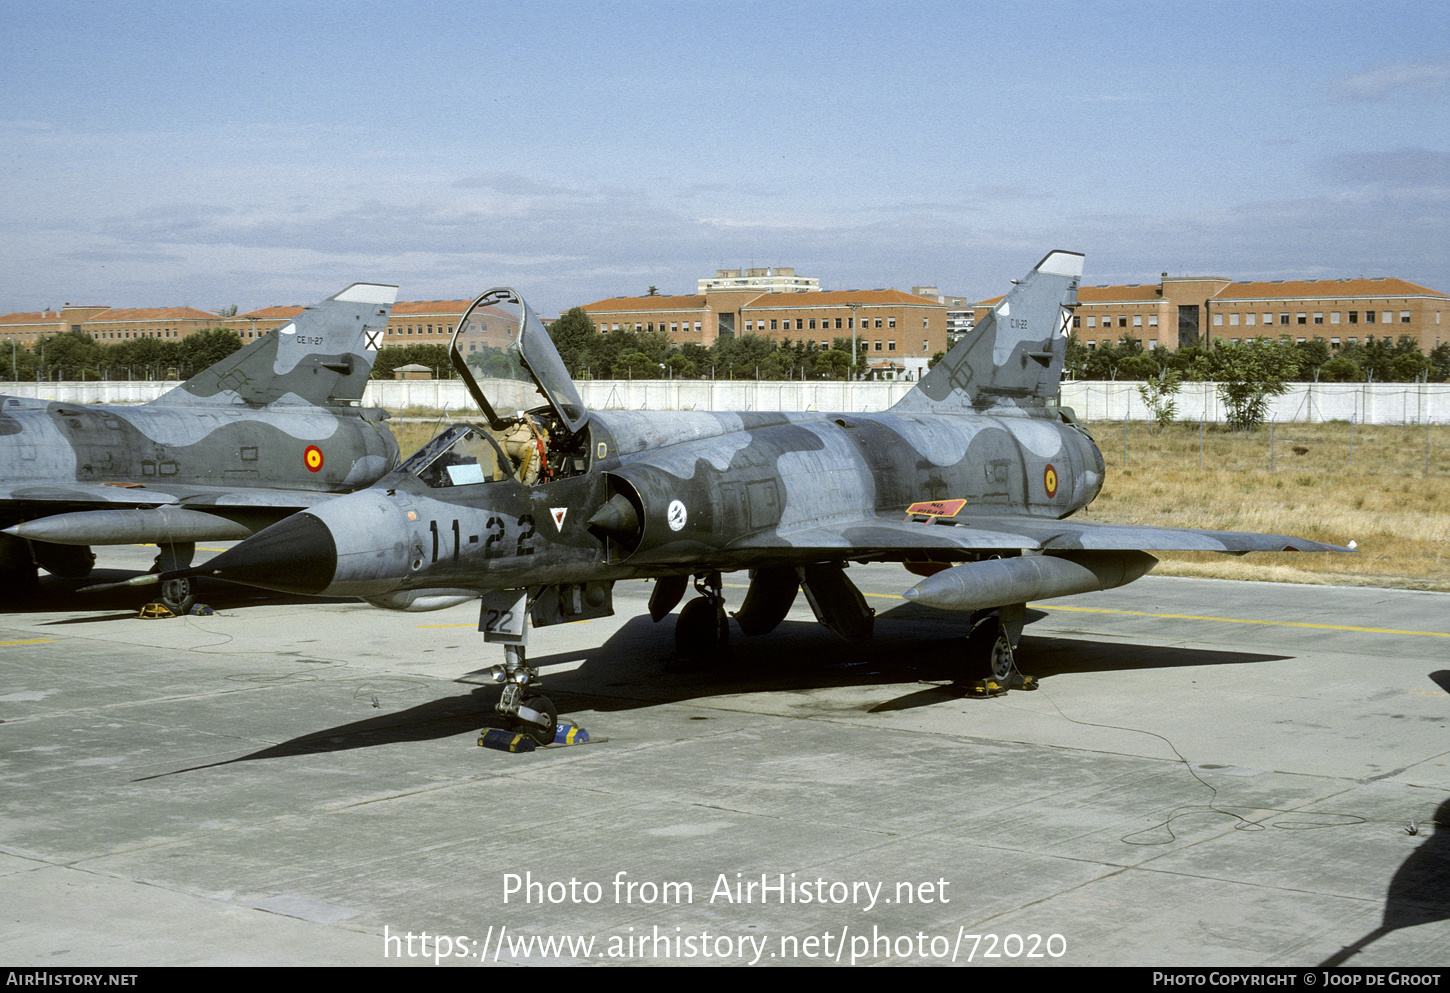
{"x": 297, "y": 555}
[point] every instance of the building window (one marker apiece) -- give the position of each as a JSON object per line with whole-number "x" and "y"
{"x": 1218, "y": 320}
{"x": 1334, "y": 317}
{"x": 878, "y": 326}
{"x": 1319, "y": 318}
{"x": 1404, "y": 317}
{"x": 1076, "y": 321}
{"x": 838, "y": 324}
{"x": 1092, "y": 322}
{"x": 878, "y": 344}
{"x": 891, "y": 322}
{"x": 1137, "y": 320}
{"x": 1152, "y": 320}
{"x": 1268, "y": 320}
{"x": 1233, "y": 320}
{"x": 772, "y": 325}
{"x": 1283, "y": 318}
{"x": 891, "y": 346}
{"x": 1354, "y": 317}
{"x": 1301, "y": 318}
{"x": 813, "y": 323}
{"x": 1369, "y": 317}
{"x": 1122, "y": 320}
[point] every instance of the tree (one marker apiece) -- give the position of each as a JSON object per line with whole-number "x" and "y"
{"x": 1312, "y": 356}
{"x": 574, "y": 334}
{"x": 1340, "y": 370}
{"x": 1159, "y": 393}
{"x": 1440, "y": 362}
{"x": 71, "y": 353}
{"x": 204, "y": 348}
{"x": 1248, "y": 374}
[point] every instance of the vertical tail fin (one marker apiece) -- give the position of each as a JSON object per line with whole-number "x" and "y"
{"x": 322, "y": 357}
{"x": 1015, "y": 354}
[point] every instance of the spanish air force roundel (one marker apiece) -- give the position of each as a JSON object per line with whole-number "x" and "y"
{"x": 312, "y": 458}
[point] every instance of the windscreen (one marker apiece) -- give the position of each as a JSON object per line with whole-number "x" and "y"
{"x": 505, "y": 355}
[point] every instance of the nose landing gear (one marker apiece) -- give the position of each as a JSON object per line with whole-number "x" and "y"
{"x": 535, "y": 715}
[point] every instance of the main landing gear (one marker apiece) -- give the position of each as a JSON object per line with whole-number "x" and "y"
{"x": 702, "y": 631}
{"x": 176, "y": 594}
{"x": 991, "y": 666}
{"x": 534, "y": 715}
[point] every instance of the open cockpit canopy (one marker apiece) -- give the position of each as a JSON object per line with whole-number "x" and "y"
{"x": 505, "y": 356}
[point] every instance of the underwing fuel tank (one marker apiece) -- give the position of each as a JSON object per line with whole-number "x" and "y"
{"x": 995, "y": 582}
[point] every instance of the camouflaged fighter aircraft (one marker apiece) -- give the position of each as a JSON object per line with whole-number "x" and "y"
{"x": 270, "y": 430}
{"x": 968, "y": 481}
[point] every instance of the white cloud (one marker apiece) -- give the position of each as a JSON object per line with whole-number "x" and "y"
{"x": 1381, "y": 84}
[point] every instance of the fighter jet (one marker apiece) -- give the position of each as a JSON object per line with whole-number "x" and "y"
{"x": 270, "y": 430}
{"x": 969, "y": 481}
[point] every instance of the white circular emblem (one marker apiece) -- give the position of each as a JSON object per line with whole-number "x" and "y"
{"x": 676, "y": 515}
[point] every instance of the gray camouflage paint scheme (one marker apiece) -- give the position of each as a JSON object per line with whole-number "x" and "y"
{"x": 273, "y": 428}
{"x": 751, "y": 490}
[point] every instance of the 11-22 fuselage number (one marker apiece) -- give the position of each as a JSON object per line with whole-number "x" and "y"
{"x": 495, "y": 534}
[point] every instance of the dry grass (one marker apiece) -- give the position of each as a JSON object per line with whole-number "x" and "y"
{"x": 1310, "y": 484}
{"x": 1376, "y": 495}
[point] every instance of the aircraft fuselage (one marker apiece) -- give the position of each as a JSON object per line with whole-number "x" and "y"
{"x": 176, "y": 446}
{"x": 705, "y": 492}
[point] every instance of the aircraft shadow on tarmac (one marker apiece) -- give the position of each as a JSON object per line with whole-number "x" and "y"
{"x": 635, "y": 669}
{"x": 464, "y": 713}
{"x": 1419, "y": 892}
{"x": 57, "y": 595}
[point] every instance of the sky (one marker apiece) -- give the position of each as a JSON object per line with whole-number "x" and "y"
{"x": 212, "y": 153}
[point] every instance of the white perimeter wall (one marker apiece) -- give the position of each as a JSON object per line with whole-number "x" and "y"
{"x": 1365, "y": 403}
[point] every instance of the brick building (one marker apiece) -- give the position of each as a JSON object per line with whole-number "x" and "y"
{"x": 1191, "y": 309}
{"x": 901, "y": 330}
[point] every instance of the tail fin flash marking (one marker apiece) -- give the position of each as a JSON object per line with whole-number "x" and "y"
{"x": 1015, "y": 354}
{"x": 322, "y": 357}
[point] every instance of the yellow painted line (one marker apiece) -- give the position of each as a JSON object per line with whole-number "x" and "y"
{"x": 1240, "y": 620}
{"x": 1128, "y": 613}
{"x": 32, "y": 641}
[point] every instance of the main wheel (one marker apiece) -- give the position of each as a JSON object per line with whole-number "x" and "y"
{"x": 989, "y": 652}
{"x": 702, "y": 631}
{"x": 176, "y": 596}
{"x": 999, "y": 658}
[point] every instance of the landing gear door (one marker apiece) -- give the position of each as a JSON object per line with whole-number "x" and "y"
{"x": 503, "y": 615}
{"x": 505, "y": 356}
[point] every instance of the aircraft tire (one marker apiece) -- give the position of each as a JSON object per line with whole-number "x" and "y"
{"x": 702, "y": 631}
{"x": 989, "y": 652}
{"x": 176, "y": 596}
{"x": 545, "y": 706}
